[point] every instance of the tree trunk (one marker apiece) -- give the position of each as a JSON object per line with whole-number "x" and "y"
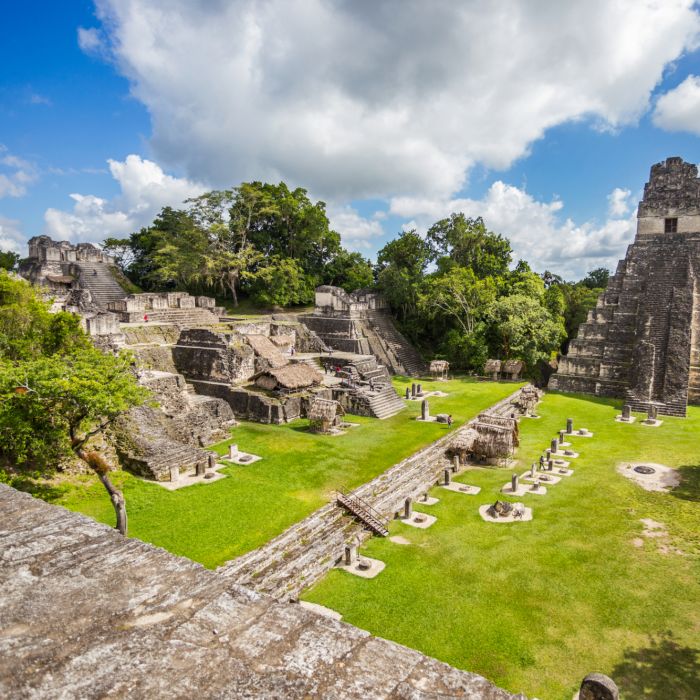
{"x": 232, "y": 287}
{"x": 118, "y": 502}
{"x": 100, "y": 466}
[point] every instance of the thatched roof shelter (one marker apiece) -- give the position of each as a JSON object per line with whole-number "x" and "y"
{"x": 439, "y": 365}
{"x": 292, "y": 377}
{"x": 492, "y": 366}
{"x": 513, "y": 367}
{"x": 464, "y": 441}
{"x": 265, "y": 348}
{"x": 494, "y": 441}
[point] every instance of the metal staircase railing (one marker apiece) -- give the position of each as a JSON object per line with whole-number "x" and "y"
{"x": 374, "y": 520}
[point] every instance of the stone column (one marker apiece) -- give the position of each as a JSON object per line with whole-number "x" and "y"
{"x": 550, "y": 465}
{"x": 408, "y": 393}
{"x": 653, "y": 413}
{"x": 419, "y": 389}
{"x": 174, "y": 474}
{"x": 455, "y": 463}
{"x": 200, "y": 469}
{"x": 626, "y": 412}
{"x": 350, "y": 554}
{"x": 514, "y": 483}
{"x": 425, "y": 410}
{"x": 555, "y": 445}
{"x": 408, "y": 508}
{"x": 233, "y": 451}
{"x": 212, "y": 462}
{"x": 569, "y": 426}
{"x": 447, "y": 477}
{"x": 561, "y": 437}
{"x": 413, "y": 390}
{"x": 533, "y": 470}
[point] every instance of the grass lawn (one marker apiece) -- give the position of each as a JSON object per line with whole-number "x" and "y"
{"x": 535, "y": 606}
{"x": 214, "y": 522}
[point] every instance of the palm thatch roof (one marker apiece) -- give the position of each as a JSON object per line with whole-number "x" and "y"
{"x": 60, "y": 279}
{"x": 294, "y": 376}
{"x": 439, "y": 365}
{"x": 324, "y": 410}
{"x": 264, "y": 348}
{"x": 492, "y": 366}
{"x": 464, "y": 441}
{"x": 494, "y": 440}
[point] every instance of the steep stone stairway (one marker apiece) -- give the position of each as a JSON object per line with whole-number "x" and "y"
{"x": 97, "y": 278}
{"x": 403, "y": 357}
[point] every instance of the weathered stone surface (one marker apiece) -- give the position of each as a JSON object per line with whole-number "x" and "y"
{"x": 642, "y": 341}
{"x": 87, "y": 613}
{"x": 596, "y": 686}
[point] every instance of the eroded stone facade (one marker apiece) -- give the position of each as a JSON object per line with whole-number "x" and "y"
{"x": 642, "y": 341}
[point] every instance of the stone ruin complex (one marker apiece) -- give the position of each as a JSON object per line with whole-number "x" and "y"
{"x": 62, "y": 267}
{"x": 642, "y": 341}
{"x": 360, "y": 323}
{"x": 204, "y": 368}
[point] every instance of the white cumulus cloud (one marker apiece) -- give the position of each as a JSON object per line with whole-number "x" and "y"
{"x": 535, "y": 230}
{"x": 357, "y": 231}
{"x": 679, "y": 109}
{"x": 619, "y": 202}
{"x": 11, "y": 236}
{"x": 356, "y": 99}
{"x": 16, "y": 174}
{"x": 144, "y": 190}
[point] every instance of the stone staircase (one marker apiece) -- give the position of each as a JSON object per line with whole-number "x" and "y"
{"x": 385, "y": 340}
{"x": 180, "y": 317}
{"x": 385, "y": 403}
{"x": 97, "y": 278}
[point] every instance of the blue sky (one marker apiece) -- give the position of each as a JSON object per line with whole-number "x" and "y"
{"x": 136, "y": 104}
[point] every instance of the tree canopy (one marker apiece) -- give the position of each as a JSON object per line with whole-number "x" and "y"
{"x": 57, "y": 390}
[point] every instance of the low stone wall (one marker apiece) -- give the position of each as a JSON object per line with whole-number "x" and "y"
{"x": 87, "y": 613}
{"x": 305, "y": 552}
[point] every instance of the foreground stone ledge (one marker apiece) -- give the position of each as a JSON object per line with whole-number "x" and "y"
{"x": 86, "y": 613}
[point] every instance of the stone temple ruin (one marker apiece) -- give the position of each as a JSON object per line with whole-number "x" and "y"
{"x": 205, "y": 367}
{"x": 642, "y": 341}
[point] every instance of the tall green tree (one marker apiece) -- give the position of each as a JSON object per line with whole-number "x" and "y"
{"x": 523, "y": 328}
{"x": 401, "y": 265}
{"x": 57, "y": 391}
{"x": 8, "y": 260}
{"x": 468, "y": 243}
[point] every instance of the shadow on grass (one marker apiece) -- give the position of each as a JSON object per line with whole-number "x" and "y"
{"x": 664, "y": 670}
{"x": 689, "y": 488}
{"x": 37, "y": 487}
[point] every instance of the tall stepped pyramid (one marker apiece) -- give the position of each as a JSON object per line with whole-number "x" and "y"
{"x": 642, "y": 340}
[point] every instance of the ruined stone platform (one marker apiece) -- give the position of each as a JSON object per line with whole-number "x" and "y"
{"x": 87, "y": 613}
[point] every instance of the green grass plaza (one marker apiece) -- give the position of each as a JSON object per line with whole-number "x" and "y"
{"x": 587, "y": 584}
